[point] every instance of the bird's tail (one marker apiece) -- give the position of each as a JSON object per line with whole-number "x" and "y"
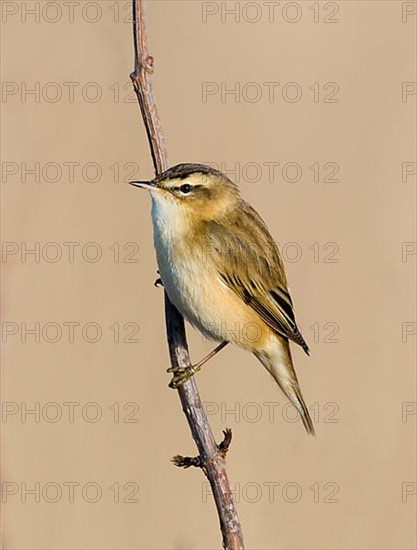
{"x": 279, "y": 363}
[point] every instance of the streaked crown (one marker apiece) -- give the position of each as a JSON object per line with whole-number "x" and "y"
{"x": 201, "y": 189}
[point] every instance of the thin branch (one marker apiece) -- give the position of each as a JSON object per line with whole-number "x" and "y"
{"x": 211, "y": 457}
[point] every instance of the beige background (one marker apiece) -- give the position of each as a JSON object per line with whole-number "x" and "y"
{"x": 350, "y": 487}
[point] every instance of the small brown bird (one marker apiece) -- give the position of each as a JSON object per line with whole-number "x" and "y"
{"x": 222, "y": 270}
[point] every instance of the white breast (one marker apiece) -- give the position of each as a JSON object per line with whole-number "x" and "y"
{"x": 190, "y": 278}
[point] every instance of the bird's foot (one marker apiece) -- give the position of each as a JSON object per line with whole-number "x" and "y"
{"x": 182, "y": 374}
{"x": 158, "y": 281}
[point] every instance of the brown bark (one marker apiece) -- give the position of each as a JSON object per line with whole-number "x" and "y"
{"x": 211, "y": 457}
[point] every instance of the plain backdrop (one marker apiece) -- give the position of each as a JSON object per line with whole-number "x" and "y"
{"x": 310, "y": 107}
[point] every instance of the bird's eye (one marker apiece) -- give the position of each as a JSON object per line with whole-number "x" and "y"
{"x": 186, "y": 188}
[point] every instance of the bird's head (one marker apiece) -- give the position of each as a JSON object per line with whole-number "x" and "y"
{"x": 197, "y": 190}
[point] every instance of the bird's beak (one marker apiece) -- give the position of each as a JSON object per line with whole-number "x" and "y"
{"x": 149, "y": 185}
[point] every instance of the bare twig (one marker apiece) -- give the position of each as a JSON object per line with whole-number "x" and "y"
{"x": 211, "y": 457}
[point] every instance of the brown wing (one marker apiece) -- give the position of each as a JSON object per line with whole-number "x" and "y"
{"x": 248, "y": 261}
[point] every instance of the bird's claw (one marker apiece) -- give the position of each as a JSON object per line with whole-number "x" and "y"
{"x": 158, "y": 282}
{"x": 181, "y": 375}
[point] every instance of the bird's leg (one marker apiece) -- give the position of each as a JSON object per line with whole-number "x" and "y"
{"x": 210, "y": 355}
{"x": 182, "y": 374}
